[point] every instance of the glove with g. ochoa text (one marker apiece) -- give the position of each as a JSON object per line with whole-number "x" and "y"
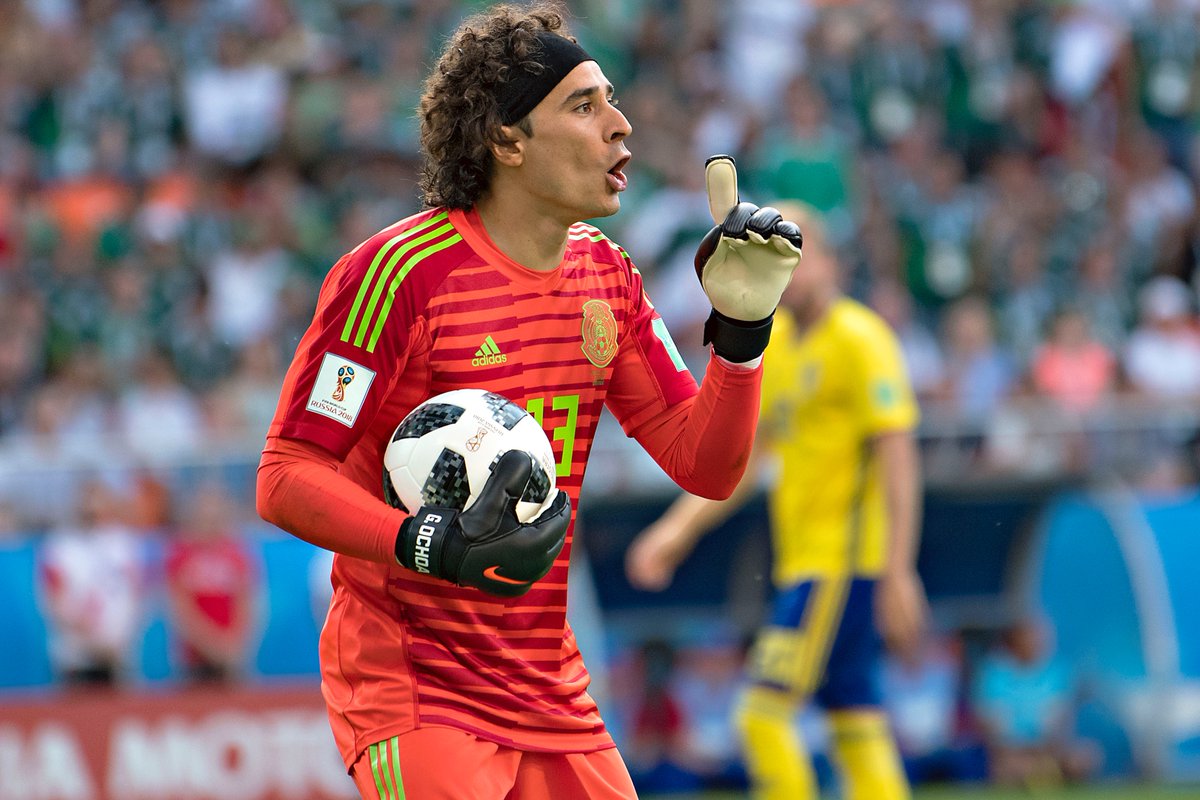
{"x": 486, "y": 546}
{"x": 744, "y": 264}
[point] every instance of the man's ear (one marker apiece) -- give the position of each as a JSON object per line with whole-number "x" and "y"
{"x": 509, "y": 151}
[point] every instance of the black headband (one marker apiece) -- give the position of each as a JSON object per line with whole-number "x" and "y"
{"x": 557, "y": 56}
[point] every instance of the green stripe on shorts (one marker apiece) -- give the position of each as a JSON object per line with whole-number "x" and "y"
{"x": 385, "y": 768}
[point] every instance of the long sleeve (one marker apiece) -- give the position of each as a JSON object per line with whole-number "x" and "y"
{"x": 704, "y": 442}
{"x": 300, "y": 490}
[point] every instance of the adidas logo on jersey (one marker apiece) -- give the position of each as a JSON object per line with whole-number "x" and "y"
{"x": 488, "y": 353}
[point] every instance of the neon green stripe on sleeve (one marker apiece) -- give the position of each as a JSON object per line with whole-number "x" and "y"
{"x": 368, "y": 279}
{"x": 386, "y": 309}
{"x": 365, "y": 323}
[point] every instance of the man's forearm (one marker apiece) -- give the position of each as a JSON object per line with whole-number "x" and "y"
{"x": 300, "y": 491}
{"x": 704, "y": 445}
{"x": 900, "y": 467}
{"x": 697, "y": 515}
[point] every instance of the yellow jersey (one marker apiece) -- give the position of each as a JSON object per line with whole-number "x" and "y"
{"x": 826, "y": 393}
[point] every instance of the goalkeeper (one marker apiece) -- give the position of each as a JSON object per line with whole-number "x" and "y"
{"x": 448, "y": 667}
{"x": 838, "y": 414}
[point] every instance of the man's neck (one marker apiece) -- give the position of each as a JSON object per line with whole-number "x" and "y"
{"x": 532, "y": 240}
{"x": 810, "y": 313}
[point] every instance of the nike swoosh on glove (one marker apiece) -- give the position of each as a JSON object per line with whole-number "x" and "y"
{"x": 486, "y": 546}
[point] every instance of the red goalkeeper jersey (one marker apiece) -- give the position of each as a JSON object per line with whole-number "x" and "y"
{"x": 426, "y": 306}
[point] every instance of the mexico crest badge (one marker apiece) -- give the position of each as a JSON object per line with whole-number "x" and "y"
{"x": 599, "y": 333}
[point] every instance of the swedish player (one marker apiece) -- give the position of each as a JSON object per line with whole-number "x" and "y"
{"x": 838, "y": 414}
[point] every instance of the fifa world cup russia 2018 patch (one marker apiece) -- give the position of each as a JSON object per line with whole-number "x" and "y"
{"x": 599, "y": 333}
{"x": 340, "y": 389}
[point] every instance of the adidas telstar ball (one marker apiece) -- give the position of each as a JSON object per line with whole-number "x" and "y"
{"x": 442, "y": 453}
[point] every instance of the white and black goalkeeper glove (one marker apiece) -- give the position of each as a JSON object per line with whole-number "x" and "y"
{"x": 744, "y": 263}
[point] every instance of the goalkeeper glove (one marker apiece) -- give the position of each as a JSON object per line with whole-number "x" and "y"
{"x": 486, "y": 546}
{"x": 744, "y": 264}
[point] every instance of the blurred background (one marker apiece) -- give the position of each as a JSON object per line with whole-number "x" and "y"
{"x": 1012, "y": 184}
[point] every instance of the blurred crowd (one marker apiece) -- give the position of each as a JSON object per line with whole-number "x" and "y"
{"x": 106, "y": 570}
{"x": 1013, "y": 183}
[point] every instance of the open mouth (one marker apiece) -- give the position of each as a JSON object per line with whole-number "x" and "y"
{"x": 616, "y": 177}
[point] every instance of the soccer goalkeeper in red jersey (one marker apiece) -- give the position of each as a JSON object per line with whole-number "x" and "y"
{"x": 456, "y": 681}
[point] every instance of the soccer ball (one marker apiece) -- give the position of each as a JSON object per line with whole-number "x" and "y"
{"x": 442, "y": 452}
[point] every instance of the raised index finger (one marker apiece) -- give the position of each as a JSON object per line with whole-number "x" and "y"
{"x": 720, "y": 178}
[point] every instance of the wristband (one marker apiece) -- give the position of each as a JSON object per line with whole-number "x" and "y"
{"x": 423, "y": 539}
{"x": 735, "y": 340}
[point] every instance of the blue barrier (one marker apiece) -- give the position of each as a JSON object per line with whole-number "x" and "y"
{"x": 24, "y": 638}
{"x": 1118, "y": 579}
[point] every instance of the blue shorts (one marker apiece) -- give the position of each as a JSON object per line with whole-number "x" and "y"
{"x": 822, "y": 643}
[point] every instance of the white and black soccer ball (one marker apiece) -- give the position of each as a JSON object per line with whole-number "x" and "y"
{"x": 442, "y": 453}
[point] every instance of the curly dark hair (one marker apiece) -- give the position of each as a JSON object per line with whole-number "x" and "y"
{"x": 460, "y": 112}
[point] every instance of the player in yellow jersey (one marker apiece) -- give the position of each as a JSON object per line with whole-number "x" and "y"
{"x": 838, "y": 415}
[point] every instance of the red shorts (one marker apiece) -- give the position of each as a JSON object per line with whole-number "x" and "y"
{"x": 448, "y": 764}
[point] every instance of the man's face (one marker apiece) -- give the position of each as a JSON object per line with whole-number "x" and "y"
{"x": 813, "y": 280}
{"x": 572, "y": 169}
